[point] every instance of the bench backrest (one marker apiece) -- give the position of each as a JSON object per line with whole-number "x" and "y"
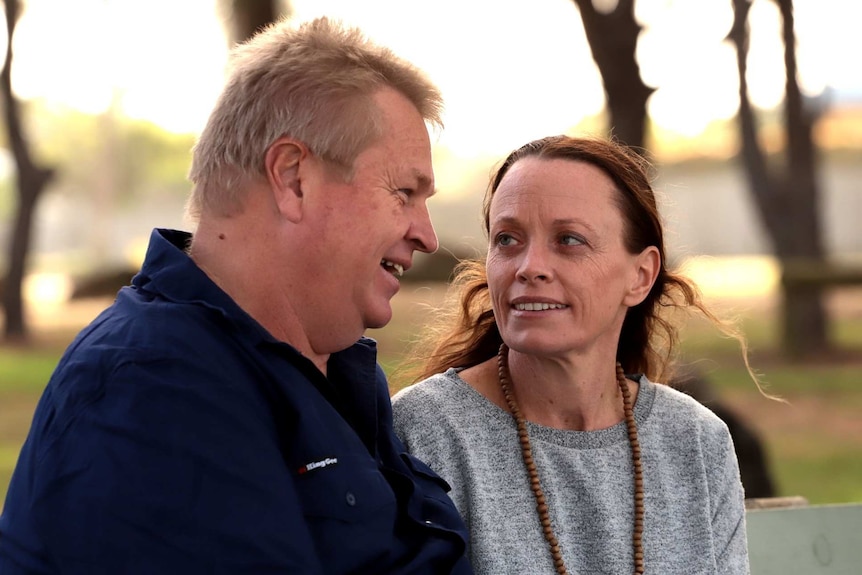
{"x": 805, "y": 540}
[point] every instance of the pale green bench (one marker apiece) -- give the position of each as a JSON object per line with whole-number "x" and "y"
{"x": 788, "y": 537}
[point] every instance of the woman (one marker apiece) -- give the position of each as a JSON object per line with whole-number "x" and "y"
{"x": 557, "y": 460}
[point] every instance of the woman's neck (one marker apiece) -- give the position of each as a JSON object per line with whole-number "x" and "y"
{"x": 565, "y": 395}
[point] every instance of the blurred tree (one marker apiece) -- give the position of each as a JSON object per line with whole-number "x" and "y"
{"x": 612, "y": 33}
{"x": 31, "y": 181}
{"x": 786, "y": 193}
{"x": 147, "y": 159}
{"x": 246, "y": 17}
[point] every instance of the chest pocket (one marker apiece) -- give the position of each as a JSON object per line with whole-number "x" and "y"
{"x": 350, "y": 510}
{"x": 347, "y": 491}
{"x": 348, "y": 506}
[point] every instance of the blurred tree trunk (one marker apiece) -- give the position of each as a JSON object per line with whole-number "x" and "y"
{"x": 31, "y": 180}
{"x": 248, "y": 16}
{"x": 613, "y": 38}
{"x": 786, "y": 196}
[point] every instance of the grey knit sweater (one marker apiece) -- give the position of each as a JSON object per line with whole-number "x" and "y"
{"x": 694, "y": 519}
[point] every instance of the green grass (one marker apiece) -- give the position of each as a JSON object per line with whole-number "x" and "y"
{"x": 779, "y": 379}
{"x": 840, "y": 468}
{"x": 8, "y": 457}
{"x": 26, "y": 370}
{"x": 814, "y": 439}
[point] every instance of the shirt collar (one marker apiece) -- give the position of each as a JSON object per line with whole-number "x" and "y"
{"x": 169, "y": 272}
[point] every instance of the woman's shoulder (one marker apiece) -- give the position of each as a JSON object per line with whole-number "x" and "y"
{"x": 439, "y": 385}
{"x": 677, "y": 406}
{"x": 443, "y": 410}
{"x": 441, "y": 395}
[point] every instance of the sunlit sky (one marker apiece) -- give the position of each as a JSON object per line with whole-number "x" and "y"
{"x": 509, "y": 70}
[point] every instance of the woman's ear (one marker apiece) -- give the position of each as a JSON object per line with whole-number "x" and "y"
{"x": 282, "y": 168}
{"x": 646, "y": 267}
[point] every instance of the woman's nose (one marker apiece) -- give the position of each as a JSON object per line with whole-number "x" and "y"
{"x": 535, "y": 265}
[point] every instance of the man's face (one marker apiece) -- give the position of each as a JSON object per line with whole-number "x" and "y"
{"x": 363, "y": 232}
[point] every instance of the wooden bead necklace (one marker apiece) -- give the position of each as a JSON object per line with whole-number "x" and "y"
{"x": 530, "y": 464}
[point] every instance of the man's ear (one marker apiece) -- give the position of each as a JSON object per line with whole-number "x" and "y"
{"x": 282, "y": 167}
{"x": 647, "y": 265}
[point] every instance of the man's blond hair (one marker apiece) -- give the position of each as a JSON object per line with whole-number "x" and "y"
{"x": 314, "y": 82}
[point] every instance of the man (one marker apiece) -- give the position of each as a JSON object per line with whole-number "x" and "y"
{"x": 225, "y": 415}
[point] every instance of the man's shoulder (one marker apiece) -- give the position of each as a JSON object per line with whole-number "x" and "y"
{"x": 134, "y": 330}
{"x": 135, "y": 347}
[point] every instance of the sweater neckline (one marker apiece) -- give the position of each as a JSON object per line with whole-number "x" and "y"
{"x": 562, "y": 437}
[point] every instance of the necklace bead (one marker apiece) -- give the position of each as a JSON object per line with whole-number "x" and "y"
{"x": 532, "y": 471}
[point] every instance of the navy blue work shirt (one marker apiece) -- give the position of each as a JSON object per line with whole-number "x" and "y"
{"x": 178, "y": 436}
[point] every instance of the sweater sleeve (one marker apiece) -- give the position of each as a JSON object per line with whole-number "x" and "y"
{"x": 727, "y": 503}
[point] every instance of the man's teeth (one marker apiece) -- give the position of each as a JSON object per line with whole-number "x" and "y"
{"x": 396, "y": 269}
{"x": 538, "y": 306}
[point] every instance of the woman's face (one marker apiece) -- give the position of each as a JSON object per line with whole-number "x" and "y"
{"x": 559, "y": 274}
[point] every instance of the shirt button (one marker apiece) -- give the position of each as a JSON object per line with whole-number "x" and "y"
{"x": 350, "y": 498}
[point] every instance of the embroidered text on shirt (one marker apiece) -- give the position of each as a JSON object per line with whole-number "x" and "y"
{"x": 316, "y": 464}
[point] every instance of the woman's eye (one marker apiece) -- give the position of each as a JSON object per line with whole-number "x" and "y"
{"x": 571, "y": 240}
{"x": 505, "y": 240}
